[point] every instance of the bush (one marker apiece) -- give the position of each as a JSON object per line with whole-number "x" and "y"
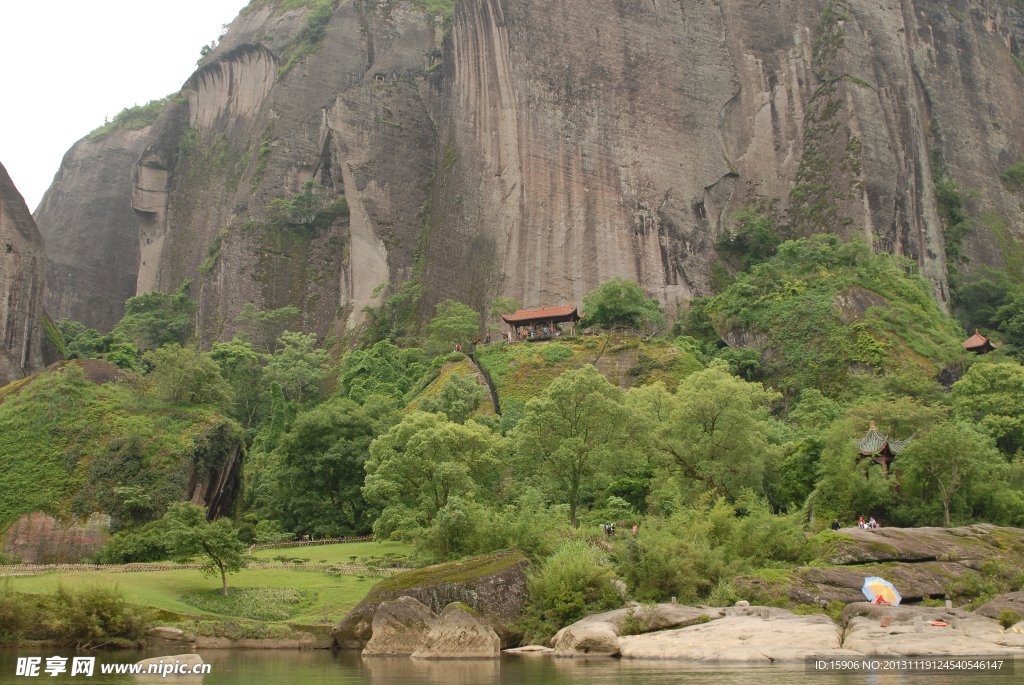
{"x": 16, "y": 614}
{"x": 146, "y": 543}
{"x": 1008, "y": 618}
{"x": 90, "y": 617}
{"x": 574, "y": 582}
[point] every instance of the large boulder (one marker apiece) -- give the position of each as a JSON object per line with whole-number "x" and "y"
{"x": 458, "y": 633}
{"x": 598, "y": 634}
{"x": 399, "y": 628}
{"x": 493, "y": 585}
{"x": 910, "y": 632}
{"x": 743, "y": 634}
{"x": 1012, "y": 601}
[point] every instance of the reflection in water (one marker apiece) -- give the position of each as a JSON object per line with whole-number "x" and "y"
{"x": 320, "y": 667}
{"x": 384, "y": 670}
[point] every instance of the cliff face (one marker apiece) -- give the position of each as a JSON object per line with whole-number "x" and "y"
{"x": 92, "y": 272}
{"x": 22, "y": 275}
{"x": 534, "y": 149}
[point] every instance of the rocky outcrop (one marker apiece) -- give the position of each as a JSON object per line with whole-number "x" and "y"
{"x": 399, "y": 628}
{"x": 1010, "y": 601}
{"x": 22, "y": 279}
{"x": 598, "y": 634}
{"x": 458, "y": 633}
{"x": 912, "y": 631}
{"x": 493, "y": 585}
{"x": 38, "y": 538}
{"x": 536, "y": 149}
{"x": 91, "y": 232}
{"x": 750, "y": 634}
{"x": 920, "y": 562}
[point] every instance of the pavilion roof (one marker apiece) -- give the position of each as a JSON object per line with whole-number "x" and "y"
{"x": 874, "y": 442}
{"x": 978, "y": 341}
{"x": 565, "y": 312}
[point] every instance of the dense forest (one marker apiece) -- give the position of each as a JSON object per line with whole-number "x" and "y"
{"x": 727, "y": 458}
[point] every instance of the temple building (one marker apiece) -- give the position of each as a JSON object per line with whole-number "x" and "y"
{"x": 881, "y": 448}
{"x": 979, "y": 344}
{"x": 543, "y": 317}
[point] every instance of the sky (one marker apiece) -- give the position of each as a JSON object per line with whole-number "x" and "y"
{"x": 69, "y": 64}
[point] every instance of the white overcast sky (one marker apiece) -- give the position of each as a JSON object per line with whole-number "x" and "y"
{"x": 69, "y": 63}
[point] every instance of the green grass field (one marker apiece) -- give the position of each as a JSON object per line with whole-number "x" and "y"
{"x": 339, "y": 554}
{"x": 163, "y": 589}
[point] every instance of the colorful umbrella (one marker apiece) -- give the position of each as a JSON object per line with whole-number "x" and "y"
{"x": 880, "y": 591}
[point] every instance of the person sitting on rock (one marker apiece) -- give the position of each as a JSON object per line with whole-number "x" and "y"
{"x": 835, "y": 524}
{"x": 872, "y": 523}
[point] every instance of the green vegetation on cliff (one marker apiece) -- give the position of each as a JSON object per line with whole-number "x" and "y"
{"x": 134, "y": 118}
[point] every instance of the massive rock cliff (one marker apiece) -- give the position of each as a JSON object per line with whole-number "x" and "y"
{"x": 22, "y": 275}
{"x": 534, "y": 149}
{"x": 90, "y": 272}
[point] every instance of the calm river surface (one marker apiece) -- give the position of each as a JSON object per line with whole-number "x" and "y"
{"x": 293, "y": 667}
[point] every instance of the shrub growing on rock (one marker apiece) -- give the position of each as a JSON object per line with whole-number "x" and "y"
{"x": 574, "y": 582}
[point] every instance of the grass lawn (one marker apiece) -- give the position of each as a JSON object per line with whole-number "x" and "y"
{"x": 339, "y": 554}
{"x": 162, "y": 589}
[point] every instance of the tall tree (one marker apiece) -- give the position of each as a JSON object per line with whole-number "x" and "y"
{"x": 184, "y": 374}
{"x": 992, "y": 395}
{"x": 298, "y": 365}
{"x": 419, "y": 464}
{"x": 716, "y": 438}
{"x": 576, "y": 429}
{"x": 947, "y": 461}
{"x": 455, "y": 322}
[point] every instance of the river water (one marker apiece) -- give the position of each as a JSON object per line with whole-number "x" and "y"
{"x": 316, "y": 667}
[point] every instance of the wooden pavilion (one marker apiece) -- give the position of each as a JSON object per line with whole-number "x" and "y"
{"x": 979, "y": 344}
{"x": 544, "y": 316}
{"x": 881, "y": 448}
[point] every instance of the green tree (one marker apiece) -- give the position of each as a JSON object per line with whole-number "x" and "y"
{"x": 621, "y": 302}
{"x": 324, "y": 456}
{"x": 455, "y": 322}
{"x": 394, "y": 317}
{"x": 383, "y": 369}
{"x": 578, "y": 428}
{"x": 457, "y": 397}
{"x": 266, "y": 327}
{"x": 754, "y": 237}
{"x": 303, "y": 208}
{"x": 992, "y": 396}
{"x": 298, "y": 366}
{"x": 155, "y": 318}
{"x": 947, "y": 463}
{"x": 420, "y": 463}
{"x": 184, "y": 374}
{"x": 716, "y": 439}
{"x": 240, "y": 366}
{"x": 503, "y": 305}
{"x": 87, "y": 343}
{"x": 213, "y": 544}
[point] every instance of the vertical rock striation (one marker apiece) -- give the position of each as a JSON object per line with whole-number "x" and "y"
{"x": 90, "y": 230}
{"x": 535, "y": 149}
{"x": 22, "y": 276}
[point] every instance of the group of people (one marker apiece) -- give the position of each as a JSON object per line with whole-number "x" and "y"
{"x": 609, "y": 529}
{"x": 861, "y": 523}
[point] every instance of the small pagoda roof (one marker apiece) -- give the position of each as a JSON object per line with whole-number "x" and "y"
{"x": 979, "y": 343}
{"x": 874, "y": 442}
{"x": 554, "y": 314}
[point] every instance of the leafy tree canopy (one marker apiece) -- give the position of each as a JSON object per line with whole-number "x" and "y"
{"x": 621, "y": 303}
{"x": 214, "y": 544}
{"x": 455, "y": 323}
{"x": 156, "y": 318}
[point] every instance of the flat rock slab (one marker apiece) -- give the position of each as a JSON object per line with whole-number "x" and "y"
{"x": 459, "y": 634}
{"x": 965, "y": 634}
{"x": 399, "y": 628}
{"x": 529, "y": 650}
{"x": 964, "y": 544}
{"x": 745, "y": 634}
{"x": 598, "y": 634}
